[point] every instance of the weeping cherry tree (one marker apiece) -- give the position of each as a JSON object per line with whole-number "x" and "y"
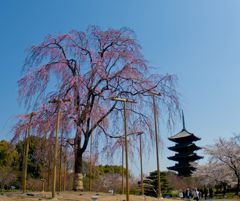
{"x": 88, "y": 68}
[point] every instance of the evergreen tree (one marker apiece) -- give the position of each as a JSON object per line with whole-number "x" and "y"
{"x": 35, "y": 162}
{"x": 150, "y": 184}
{"x": 8, "y": 164}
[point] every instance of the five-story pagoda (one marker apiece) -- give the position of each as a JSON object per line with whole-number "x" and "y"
{"x": 185, "y": 151}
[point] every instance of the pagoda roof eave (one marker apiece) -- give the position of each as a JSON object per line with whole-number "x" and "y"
{"x": 179, "y": 147}
{"x": 182, "y": 135}
{"x": 178, "y": 157}
{"x": 176, "y": 167}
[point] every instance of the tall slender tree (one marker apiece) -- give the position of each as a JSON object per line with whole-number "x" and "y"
{"x": 88, "y": 68}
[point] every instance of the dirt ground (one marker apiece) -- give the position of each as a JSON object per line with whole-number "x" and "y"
{"x": 72, "y": 196}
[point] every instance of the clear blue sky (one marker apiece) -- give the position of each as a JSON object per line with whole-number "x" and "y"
{"x": 199, "y": 41}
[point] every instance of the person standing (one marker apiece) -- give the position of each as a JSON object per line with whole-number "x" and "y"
{"x": 188, "y": 194}
{"x": 195, "y": 194}
{"x": 205, "y": 193}
{"x": 211, "y": 193}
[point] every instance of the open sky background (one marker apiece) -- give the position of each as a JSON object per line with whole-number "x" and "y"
{"x": 199, "y": 41}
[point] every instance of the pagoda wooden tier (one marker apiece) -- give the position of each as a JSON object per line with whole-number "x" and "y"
{"x": 184, "y": 149}
{"x": 185, "y": 146}
{"x": 178, "y": 167}
{"x": 186, "y": 157}
{"x": 183, "y": 169}
{"x": 183, "y": 137}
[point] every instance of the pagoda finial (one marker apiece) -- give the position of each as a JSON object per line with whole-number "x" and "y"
{"x": 183, "y": 121}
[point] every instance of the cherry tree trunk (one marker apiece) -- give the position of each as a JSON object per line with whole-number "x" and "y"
{"x": 238, "y": 187}
{"x": 78, "y": 173}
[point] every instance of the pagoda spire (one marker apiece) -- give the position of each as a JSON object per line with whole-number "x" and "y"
{"x": 183, "y": 121}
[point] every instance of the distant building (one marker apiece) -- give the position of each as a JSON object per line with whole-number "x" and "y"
{"x": 185, "y": 151}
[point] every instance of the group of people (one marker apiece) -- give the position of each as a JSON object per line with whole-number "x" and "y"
{"x": 197, "y": 194}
